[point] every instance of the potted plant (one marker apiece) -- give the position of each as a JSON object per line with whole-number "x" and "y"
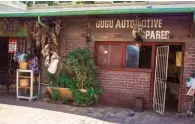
{"x": 81, "y": 84}
{"x": 59, "y": 84}
{"x": 85, "y": 85}
{"x": 22, "y": 59}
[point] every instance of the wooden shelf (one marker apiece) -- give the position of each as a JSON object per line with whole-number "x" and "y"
{"x": 24, "y": 87}
{"x": 24, "y": 77}
{"x": 34, "y": 80}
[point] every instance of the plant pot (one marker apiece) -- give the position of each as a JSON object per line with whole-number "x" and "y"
{"x": 83, "y": 90}
{"x": 23, "y": 65}
{"x": 64, "y": 92}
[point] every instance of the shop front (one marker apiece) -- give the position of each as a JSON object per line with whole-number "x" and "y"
{"x": 147, "y": 56}
{"x": 14, "y": 46}
{"x": 11, "y": 38}
{"x": 153, "y": 68}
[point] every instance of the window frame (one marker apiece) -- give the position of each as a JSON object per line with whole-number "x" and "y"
{"x": 122, "y": 66}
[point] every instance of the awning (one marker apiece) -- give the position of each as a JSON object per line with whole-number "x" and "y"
{"x": 99, "y": 10}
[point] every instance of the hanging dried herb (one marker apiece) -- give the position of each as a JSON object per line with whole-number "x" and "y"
{"x": 138, "y": 31}
{"x": 87, "y": 31}
{"x": 9, "y": 27}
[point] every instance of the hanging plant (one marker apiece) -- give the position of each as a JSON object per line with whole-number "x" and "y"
{"x": 45, "y": 38}
{"x": 37, "y": 34}
{"x": 28, "y": 29}
{"x": 87, "y": 31}
{"x": 138, "y": 31}
{"x": 9, "y": 27}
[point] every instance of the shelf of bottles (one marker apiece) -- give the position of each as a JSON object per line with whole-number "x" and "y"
{"x": 27, "y": 84}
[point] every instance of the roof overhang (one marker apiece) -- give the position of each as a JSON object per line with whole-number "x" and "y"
{"x": 100, "y": 10}
{"x": 12, "y": 6}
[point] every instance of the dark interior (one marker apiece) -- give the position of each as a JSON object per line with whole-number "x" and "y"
{"x": 7, "y": 65}
{"x": 4, "y": 52}
{"x": 145, "y": 56}
{"x": 173, "y": 77}
{"x": 4, "y": 78}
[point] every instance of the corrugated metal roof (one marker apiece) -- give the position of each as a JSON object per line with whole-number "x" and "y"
{"x": 12, "y": 6}
{"x": 144, "y": 7}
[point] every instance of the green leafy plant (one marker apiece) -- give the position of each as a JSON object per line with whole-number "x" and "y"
{"x": 82, "y": 82}
{"x": 82, "y": 64}
{"x": 64, "y": 100}
{"x": 65, "y": 80}
{"x": 53, "y": 79}
{"x": 55, "y": 94}
{"x": 30, "y": 3}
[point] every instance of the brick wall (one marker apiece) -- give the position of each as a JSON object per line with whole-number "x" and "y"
{"x": 72, "y": 36}
{"x": 189, "y": 69}
{"x": 121, "y": 87}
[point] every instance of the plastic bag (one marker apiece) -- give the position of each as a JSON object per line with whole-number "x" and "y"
{"x": 193, "y": 83}
{"x": 53, "y": 66}
{"x": 47, "y": 63}
{"x": 189, "y": 82}
{"x": 54, "y": 63}
{"x": 33, "y": 64}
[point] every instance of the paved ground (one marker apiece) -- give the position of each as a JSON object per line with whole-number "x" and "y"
{"x": 37, "y": 112}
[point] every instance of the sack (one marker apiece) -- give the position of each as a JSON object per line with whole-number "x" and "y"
{"x": 53, "y": 66}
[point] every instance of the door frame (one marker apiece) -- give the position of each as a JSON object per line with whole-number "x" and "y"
{"x": 153, "y": 71}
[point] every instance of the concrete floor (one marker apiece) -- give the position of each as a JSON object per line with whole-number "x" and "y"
{"x": 14, "y": 111}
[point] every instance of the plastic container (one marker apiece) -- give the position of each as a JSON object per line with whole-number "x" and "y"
{"x": 23, "y": 65}
{"x": 24, "y": 82}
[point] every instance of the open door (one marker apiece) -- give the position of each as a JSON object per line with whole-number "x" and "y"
{"x": 160, "y": 80}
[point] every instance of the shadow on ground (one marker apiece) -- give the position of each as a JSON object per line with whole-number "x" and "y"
{"x": 108, "y": 114}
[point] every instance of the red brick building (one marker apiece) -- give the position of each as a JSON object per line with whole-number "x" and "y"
{"x": 122, "y": 84}
{"x": 154, "y": 69}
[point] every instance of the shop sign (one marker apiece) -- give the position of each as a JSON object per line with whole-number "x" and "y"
{"x": 153, "y": 27}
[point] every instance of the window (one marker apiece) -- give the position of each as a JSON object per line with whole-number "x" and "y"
{"x": 124, "y": 55}
{"x": 132, "y": 56}
{"x": 110, "y": 55}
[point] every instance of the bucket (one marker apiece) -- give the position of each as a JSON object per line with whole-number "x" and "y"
{"x": 24, "y": 82}
{"x": 23, "y": 65}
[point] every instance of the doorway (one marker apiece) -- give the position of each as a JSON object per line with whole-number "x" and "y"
{"x": 173, "y": 78}
{"x": 167, "y": 82}
{"x": 4, "y": 63}
{"x": 7, "y": 65}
